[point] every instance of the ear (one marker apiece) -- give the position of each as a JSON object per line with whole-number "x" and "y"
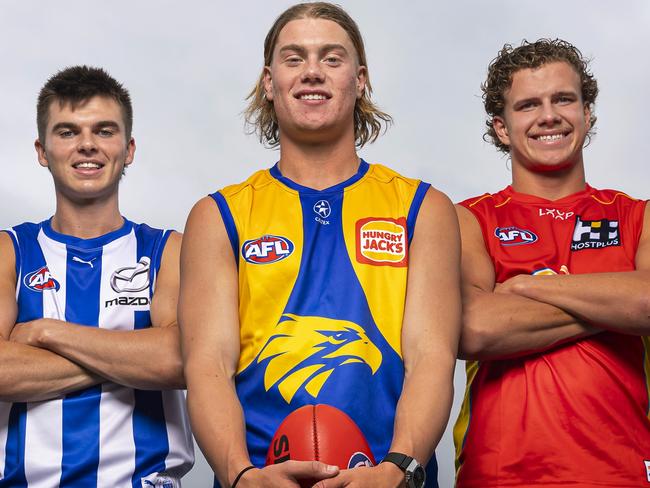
{"x": 362, "y": 78}
{"x": 501, "y": 129}
{"x": 40, "y": 151}
{"x": 130, "y": 152}
{"x": 267, "y": 82}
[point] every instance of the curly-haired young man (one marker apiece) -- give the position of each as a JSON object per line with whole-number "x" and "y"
{"x": 327, "y": 288}
{"x": 556, "y": 280}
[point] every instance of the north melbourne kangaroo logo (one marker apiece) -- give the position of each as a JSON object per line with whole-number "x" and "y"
{"x": 305, "y": 351}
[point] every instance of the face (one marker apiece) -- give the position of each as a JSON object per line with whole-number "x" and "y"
{"x": 86, "y": 149}
{"x": 314, "y": 79}
{"x": 544, "y": 121}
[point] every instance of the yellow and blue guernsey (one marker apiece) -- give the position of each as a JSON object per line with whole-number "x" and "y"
{"x": 322, "y": 286}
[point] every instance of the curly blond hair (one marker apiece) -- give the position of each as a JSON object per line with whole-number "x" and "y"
{"x": 260, "y": 113}
{"x": 532, "y": 55}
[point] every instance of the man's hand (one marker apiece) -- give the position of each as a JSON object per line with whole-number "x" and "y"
{"x": 290, "y": 474}
{"x": 34, "y": 333}
{"x": 384, "y": 475}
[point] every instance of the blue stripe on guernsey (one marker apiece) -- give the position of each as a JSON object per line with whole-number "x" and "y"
{"x": 228, "y": 221}
{"x": 30, "y": 307}
{"x": 14, "y": 469}
{"x": 415, "y": 208}
{"x": 81, "y": 409}
{"x": 149, "y": 429}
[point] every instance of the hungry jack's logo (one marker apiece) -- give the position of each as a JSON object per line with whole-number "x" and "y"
{"x": 382, "y": 241}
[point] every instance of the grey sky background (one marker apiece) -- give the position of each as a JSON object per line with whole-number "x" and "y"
{"x": 189, "y": 66}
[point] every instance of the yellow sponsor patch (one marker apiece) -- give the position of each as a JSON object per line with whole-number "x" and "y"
{"x": 382, "y": 241}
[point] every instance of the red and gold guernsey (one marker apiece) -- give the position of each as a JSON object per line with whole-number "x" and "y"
{"x": 576, "y": 415}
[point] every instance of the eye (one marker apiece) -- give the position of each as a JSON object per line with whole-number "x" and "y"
{"x": 106, "y": 132}
{"x": 66, "y": 133}
{"x": 332, "y": 60}
{"x": 565, "y": 100}
{"x": 293, "y": 60}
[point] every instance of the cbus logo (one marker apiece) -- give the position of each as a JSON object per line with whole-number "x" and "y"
{"x": 40, "y": 280}
{"x": 514, "y": 236}
{"x": 267, "y": 249}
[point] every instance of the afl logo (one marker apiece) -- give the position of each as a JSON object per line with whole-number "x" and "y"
{"x": 40, "y": 280}
{"x": 266, "y": 249}
{"x": 514, "y": 236}
{"x": 358, "y": 460}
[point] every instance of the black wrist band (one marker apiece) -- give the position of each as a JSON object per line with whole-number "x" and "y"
{"x": 241, "y": 473}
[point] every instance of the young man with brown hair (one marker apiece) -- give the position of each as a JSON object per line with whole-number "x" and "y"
{"x": 317, "y": 281}
{"x": 556, "y": 287}
{"x": 88, "y": 333}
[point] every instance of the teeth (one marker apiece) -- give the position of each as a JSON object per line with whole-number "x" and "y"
{"x": 554, "y": 137}
{"x": 312, "y": 96}
{"x": 87, "y": 165}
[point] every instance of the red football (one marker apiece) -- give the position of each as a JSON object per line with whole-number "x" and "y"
{"x": 320, "y": 433}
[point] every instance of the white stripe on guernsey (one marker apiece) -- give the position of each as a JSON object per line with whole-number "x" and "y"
{"x": 43, "y": 453}
{"x": 181, "y": 447}
{"x": 43, "y": 433}
{"x": 5, "y": 410}
{"x": 18, "y": 282}
{"x": 116, "y": 446}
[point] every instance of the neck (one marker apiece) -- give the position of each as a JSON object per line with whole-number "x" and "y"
{"x": 87, "y": 220}
{"x": 318, "y": 166}
{"x": 551, "y": 185}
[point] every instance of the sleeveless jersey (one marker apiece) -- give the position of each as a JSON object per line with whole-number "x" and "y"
{"x": 106, "y": 435}
{"x": 575, "y": 415}
{"x": 322, "y": 286}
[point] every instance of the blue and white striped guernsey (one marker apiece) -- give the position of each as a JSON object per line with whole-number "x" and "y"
{"x": 107, "y": 435}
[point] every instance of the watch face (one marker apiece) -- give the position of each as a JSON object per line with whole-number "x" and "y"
{"x": 419, "y": 477}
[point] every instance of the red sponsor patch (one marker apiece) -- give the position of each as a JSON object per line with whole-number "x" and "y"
{"x": 382, "y": 241}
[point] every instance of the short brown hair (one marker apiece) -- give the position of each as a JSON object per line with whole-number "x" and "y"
{"x": 260, "y": 113}
{"x": 532, "y": 55}
{"x": 76, "y": 85}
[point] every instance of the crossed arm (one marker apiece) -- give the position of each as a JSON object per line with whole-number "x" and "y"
{"x": 210, "y": 334}
{"x": 528, "y": 314}
{"x": 45, "y": 358}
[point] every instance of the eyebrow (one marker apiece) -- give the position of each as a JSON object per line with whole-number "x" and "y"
{"x": 72, "y": 125}
{"x": 301, "y": 49}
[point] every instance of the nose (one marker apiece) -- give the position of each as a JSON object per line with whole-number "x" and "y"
{"x": 313, "y": 71}
{"x": 549, "y": 115}
{"x": 87, "y": 143}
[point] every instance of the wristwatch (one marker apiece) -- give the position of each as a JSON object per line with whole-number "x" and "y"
{"x": 414, "y": 473}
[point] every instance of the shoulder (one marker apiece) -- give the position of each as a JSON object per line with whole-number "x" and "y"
{"x": 256, "y": 181}
{"x": 384, "y": 174}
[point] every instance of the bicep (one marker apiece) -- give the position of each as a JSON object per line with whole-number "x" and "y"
{"x": 8, "y": 306}
{"x": 477, "y": 269}
{"x": 208, "y": 306}
{"x": 432, "y": 313}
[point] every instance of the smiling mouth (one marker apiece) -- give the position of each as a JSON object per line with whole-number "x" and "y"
{"x": 550, "y": 137}
{"x": 312, "y": 96}
{"x": 87, "y": 165}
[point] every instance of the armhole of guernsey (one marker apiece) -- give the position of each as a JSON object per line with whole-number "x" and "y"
{"x": 156, "y": 258}
{"x": 14, "y": 241}
{"x": 418, "y": 198}
{"x": 229, "y": 223}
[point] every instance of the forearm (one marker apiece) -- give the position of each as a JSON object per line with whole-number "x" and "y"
{"x": 147, "y": 359}
{"x": 616, "y": 301}
{"x": 498, "y": 325}
{"x": 30, "y": 374}
{"x": 221, "y": 435}
{"x": 424, "y": 405}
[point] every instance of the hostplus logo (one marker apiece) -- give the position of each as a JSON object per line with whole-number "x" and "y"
{"x": 595, "y": 234}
